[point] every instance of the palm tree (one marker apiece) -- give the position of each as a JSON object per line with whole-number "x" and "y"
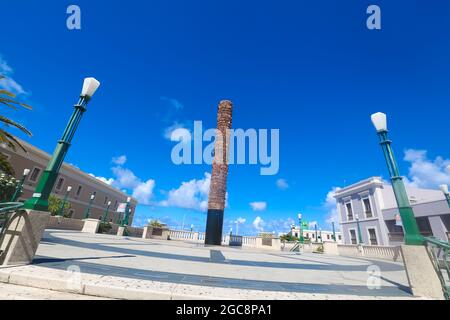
{"x": 7, "y": 98}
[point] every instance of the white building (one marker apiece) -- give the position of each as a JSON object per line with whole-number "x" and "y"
{"x": 373, "y": 202}
{"x": 322, "y": 236}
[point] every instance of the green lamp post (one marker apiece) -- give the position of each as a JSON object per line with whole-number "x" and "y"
{"x": 360, "y": 240}
{"x": 334, "y": 231}
{"x": 63, "y": 204}
{"x": 39, "y": 201}
{"x": 412, "y": 233}
{"x": 19, "y": 186}
{"x": 127, "y": 213}
{"x": 444, "y": 189}
{"x": 301, "y": 238}
{"x": 88, "y": 209}
{"x": 105, "y": 216}
{"x": 315, "y": 228}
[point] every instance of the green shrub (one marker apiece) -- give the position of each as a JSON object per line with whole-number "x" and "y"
{"x": 104, "y": 227}
{"x": 8, "y": 186}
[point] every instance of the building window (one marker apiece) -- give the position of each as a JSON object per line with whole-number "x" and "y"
{"x": 367, "y": 208}
{"x": 115, "y": 205}
{"x": 339, "y": 237}
{"x": 353, "y": 237}
{"x": 313, "y": 235}
{"x": 35, "y": 174}
{"x": 372, "y": 237}
{"x": 424, "y": 226}
{"x": 60, "y": 183}
{"x": 106, "y": 200}
{"x": 80, "y": 188}
{"x": 71, "y": 212}
{"x": 348, "y": 206}
{"x": 328, "y": 237}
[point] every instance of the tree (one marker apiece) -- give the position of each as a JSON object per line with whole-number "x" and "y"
{"x": 8, "y": 99}
{"x": 5, "y": 166}
{"x": 155, "y": 224}
{"x": 54, "y": 205}
{"x": 8, "y": 186}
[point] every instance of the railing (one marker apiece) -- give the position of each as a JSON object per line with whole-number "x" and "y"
{"x": 181, "y": 234}
{"x": 439, "y": 252}
{"x": 378, "y": 252}
{"x": 249, "y": 241}
{"x": 383, "y": 252}
{"x": 9, "y": 212}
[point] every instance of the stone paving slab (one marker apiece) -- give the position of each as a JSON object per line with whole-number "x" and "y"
{"x": 133, "y": 268}
{"x": 15, "y": 292}
{"x": 125, "y": 288}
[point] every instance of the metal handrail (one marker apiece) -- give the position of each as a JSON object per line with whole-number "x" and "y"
{"x": 8, "y": 207}
{"x": 439, "y": 252}
{"x": 9, "y": 210}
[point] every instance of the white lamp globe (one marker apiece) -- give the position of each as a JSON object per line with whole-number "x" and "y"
{"x": 69, "y": 188}
{"x": 129, "y": 199}
{"x": 90, "y": 85}
{"x": 379, "y": 121}
{"x": 444, "y": 188}
{"x": 26, "y": 172}
{"x": 109, "y": 203}
{"x": 92, "y": 197}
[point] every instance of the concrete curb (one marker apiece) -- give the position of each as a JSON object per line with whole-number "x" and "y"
{"x": 137, "y": 289}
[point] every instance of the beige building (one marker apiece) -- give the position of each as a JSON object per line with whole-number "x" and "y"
{"x": 83, "y": 185}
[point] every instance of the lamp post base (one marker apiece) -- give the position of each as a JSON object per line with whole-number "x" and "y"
{"x": 422, "y": 277}
{"x": 22, "y": 237}
{"x": 36, "y": 204}
{"x": 214, "y": 224}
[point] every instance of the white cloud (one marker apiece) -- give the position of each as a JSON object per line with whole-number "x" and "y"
{"x": 124, "y": 179}
{"x": 312, "y": 224}
{"x": 121, "y": 160}
{"x": 143, "y": 192}
{"x": 258, "y": 224}
{"x": 282, "y": 184}
{"x": 109, "y": 181}
{"x": 426, "y": 173}
{"x": 190, "y": 195}
{"x": 258, "y": 206}
{"x": 241, "y": 220}
{"x": 177, "y": 132}
{"x": 331, "y": 207}
{"x": 8, "y": 82}
{"x": 173, "y": 103}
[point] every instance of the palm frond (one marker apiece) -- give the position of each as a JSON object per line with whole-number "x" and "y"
{"x": 7, "y": 93}
{"x": 15, "y": 124}
{"x": 8, "y": 104}
{"x": 10, "y": 139}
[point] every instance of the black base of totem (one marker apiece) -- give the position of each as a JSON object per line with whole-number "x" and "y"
{"x": 214, "y": 224}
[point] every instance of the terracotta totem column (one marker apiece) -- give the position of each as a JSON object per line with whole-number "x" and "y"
{"x": 218, "y": 188}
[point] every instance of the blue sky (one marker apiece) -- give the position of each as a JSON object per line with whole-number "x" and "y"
{"x": 309, "y": 68}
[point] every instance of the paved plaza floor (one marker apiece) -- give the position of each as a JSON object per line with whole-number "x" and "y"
{"x": 148, "y": 269}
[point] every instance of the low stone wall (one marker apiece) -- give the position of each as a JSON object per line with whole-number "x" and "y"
{"x": 377, "y": 252}
{"x": 134, "y": 232}
{"x": 56, "y": 222}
